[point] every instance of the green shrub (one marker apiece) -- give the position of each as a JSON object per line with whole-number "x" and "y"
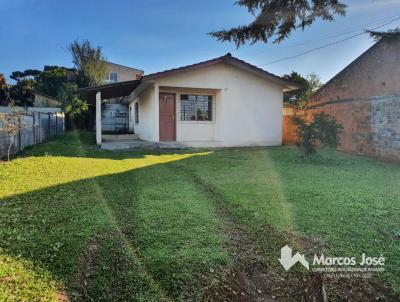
{"x": 322, "y": 130}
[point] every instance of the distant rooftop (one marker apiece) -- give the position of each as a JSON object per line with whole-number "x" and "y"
{"x": 124, "y": 66}
{"x": 390, "y": 34}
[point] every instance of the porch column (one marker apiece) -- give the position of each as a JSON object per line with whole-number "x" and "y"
{"x": 156, "y": 132}
{"x": 98, "y": 118}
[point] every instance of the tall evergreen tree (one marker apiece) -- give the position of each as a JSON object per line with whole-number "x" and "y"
{"x": 278, "y": 18}
{"x": 89, "y": 63}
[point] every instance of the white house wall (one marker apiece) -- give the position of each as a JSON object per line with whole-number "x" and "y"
{"x": 192, "y": 132}
{"x": 248, "y": 109}
{"x": 145, "y": 128}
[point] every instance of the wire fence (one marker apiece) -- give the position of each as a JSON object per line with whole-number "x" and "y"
{"x": 35, "y": 128}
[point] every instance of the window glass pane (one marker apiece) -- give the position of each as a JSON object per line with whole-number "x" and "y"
{"x": 136, "y": 112}
{"x": 196, "y": 107}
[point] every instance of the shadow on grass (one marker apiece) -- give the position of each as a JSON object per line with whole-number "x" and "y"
{"x": 147, "y": 233}
{"x": 124, "y": 236}
{"x": 82, "y": 144}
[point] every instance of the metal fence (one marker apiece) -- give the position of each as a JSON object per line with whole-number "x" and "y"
{"x": 36, "y": 127}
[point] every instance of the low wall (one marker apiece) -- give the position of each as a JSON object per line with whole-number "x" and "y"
{"x": 371, "y": 125}
{"x": 289, "y": 130}
{"x": 385, "y": 124}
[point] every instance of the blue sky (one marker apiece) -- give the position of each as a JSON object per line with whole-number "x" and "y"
{"x": 154, "y": 35}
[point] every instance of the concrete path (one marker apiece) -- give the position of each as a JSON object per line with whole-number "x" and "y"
{"x": 140, "y": 145}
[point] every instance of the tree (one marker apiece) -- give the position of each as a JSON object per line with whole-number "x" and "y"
{"x": 300, "y": 96}
{"x": 29, "y": 74}
{"x": 56, "y": 81}
{"x": 4, "y": 90}
{"x": 389, "y": 34}
{"x": 322, "y": 130}
{"x": 89, "y": 63}
{"x": 61, "y": 82}
{"x": 91, "y": 70}
{"x": 21, "y": 92}
{"x": 70, "y": 100}
{"x": 52, "y": 79}
{"x": 278, "y": 18}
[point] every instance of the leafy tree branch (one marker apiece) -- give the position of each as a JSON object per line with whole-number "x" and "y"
{"x": 278, "y": 18}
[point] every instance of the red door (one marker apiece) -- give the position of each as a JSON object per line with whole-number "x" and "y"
{"x": 167, "y": 117}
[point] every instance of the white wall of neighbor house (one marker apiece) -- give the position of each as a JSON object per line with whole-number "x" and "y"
{"x": 123, "y": 73}
{"x": 248, "y": 108}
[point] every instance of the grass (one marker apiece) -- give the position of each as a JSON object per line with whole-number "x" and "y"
{"x": 102, "y": 225}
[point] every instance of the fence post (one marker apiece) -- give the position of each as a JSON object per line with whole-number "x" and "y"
{"x": 19, "y": 134}
{"x": 33, "y": 128}
{"x": 40, "y": 128}
{"x": 56, "y": 123}
{"x": 49, "y": 122}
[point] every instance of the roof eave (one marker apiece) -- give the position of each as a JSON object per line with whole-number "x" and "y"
{"x": 228, "y": 59}
{"x": 109, "y": 91}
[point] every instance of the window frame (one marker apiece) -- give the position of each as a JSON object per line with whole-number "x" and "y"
{"x": 136, "y": 112}
{"x": 115, "y": 79}
{"x": 196, "y": 121}
{"x": 112, "y": 77}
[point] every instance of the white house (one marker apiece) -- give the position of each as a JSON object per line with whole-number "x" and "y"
{"x": 222, "y": 102}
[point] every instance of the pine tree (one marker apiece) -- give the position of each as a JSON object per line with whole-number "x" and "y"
{"x": 278, "y": 18}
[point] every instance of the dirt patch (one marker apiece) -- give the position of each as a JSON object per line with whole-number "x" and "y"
{"x": 309, "y": 244}
{"x": 61, "y": 296}
{"x": 253, "y": 278}
{"x": 233, "y": 285}
{"x": 358, "y": 289}
{"x": 247, "y": 280}
{"x": 88, "y": 263}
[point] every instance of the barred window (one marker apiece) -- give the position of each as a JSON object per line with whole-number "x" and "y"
{"x": 196, "y": 107}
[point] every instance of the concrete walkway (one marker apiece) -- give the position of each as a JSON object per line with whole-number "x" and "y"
{"x": 140, "y": 145}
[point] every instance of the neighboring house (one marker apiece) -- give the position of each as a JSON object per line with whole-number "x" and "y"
{"x": 365, "y": 98}
{"x": 115, "y": 115}
{"x": 43, "y": 100}
{"x": 217, "y": 103}
{"x": 119, "y": 73}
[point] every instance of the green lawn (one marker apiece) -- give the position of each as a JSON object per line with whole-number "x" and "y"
{"x": 133, "y": 226}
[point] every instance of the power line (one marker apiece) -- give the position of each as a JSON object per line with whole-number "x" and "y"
{"x": 341, "y": 33}
{"x": 327, "y": 45}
